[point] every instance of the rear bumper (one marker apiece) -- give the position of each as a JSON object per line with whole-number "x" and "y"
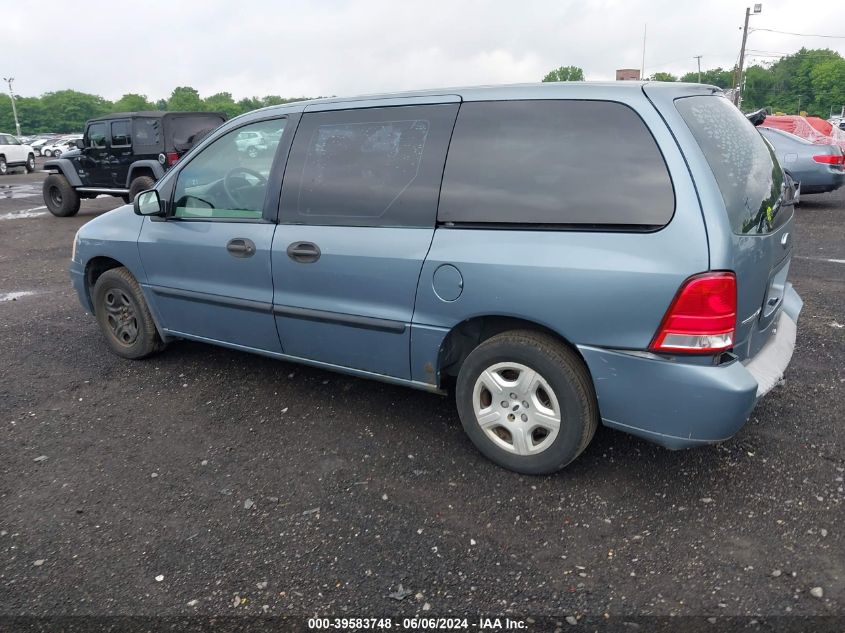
{"x": 680, "y": 405}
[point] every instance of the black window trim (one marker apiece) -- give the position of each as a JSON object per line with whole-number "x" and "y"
{"x": 273, "y": 190}
{"x": 561, "y": 227}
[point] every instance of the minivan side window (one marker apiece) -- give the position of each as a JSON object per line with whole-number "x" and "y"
{"x": 225, "y": 180}
{"x": 563, "y": 162}
{"x": 367, "y": 167}
{"x": 97, "y": 134}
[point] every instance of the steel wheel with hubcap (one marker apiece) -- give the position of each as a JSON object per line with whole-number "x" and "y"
{"x": 120, "y": 315}
{"x": 526, "y": 400}
{"x": 123, "y": 315}
{"x": 516, "y": 408}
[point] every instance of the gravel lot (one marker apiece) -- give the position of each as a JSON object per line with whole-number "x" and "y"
{"x": 214, "y": 482}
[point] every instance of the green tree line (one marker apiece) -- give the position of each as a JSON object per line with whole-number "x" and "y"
{"x": 811, "y": 80}
{"x": 68, "y": 110}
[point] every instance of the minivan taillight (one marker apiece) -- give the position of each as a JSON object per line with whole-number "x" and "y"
{"x": 172, "y": 157}
{"x": 702, "y": 317}
{"x": 830, "y": 159}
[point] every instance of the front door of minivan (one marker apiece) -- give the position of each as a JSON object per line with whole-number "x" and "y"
{"x": 357, "y": 215}
{"x": 208, "y": 262}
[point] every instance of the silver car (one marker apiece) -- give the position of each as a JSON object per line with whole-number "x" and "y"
{"x": 819, "y": 168}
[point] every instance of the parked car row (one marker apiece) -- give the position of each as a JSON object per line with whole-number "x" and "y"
{"x": 57, "y": 147}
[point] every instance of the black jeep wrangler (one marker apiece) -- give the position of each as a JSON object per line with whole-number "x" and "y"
{"x": 122, "y": 155}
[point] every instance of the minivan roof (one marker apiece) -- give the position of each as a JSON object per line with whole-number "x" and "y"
{"x": 511, "y": 91}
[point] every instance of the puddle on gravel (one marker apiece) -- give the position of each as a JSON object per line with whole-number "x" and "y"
{"x": 25, "y": 213}
{"x": 14, "y": 296}
{"x": 19, "y": 191}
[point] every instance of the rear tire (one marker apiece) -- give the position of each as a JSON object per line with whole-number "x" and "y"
{"x": 139, "y": 184}
{"x": 60, "y": 197}
{"x": 123, "y": 315}
{"x": 57, "y": 153}
{"x": 4, "y": 167}
{"x": 48, "y": 153}
{"x": 518, "y": 368}
{"x": 30, "y": 164}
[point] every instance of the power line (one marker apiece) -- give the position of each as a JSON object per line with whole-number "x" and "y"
{"x": 833, "y": 37}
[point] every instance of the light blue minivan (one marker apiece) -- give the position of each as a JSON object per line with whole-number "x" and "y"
{"x": 557, "y": 255}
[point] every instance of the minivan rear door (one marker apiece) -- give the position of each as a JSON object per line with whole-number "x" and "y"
{"x": 753, "y": 234}
{"x": 357, "y": 215}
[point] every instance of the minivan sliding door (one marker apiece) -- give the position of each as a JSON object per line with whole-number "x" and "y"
{"x": 357, "y": 215}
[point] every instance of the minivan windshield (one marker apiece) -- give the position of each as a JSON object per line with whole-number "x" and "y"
{"x": 744, "y": 166}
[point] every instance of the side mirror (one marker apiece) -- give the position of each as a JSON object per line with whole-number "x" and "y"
{"x": 80, "y": 144}
{"x": 147, "y": 203}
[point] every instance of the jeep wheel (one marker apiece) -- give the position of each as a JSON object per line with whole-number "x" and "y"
{"x": 30, "y": 164}
{"x": 61, "y": 199}
{"x": 139, "y": 184}
{"x": 4, "y": 168}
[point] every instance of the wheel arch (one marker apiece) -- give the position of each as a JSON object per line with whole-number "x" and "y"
{"x": 470, "y": 333}
{"x": 151, "y": 168}
{"x": 95, "y": 267}
{"x": 63, "y": 167}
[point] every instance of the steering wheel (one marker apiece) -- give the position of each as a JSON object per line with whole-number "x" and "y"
{"x": 234, "y": 191}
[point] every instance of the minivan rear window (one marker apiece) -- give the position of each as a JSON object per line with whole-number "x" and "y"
{"x": 563, "y": 162}
{"x": 743, "y": 165}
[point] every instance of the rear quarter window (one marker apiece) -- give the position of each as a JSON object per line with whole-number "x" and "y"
{"x": 559, "y": 163}
{"x": 745, "y": 168}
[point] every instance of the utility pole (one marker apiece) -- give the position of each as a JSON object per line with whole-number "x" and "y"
{"x": 642, "y": 66}
{"x": 9, "y": 81}
{"x": 737, "y": 95}
{"x": 698, "y": 57}
{"x": 739, "y": 84}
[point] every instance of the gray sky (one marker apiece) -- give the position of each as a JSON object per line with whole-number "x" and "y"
{"x": 322, "y": 47}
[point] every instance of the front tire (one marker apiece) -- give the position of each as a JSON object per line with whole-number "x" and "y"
{"x": 57, "y": 153}
{"x": 4, "y": 166}
{"x": 123, "y": 315}
{"x": 61, "y": 199}
{"x": 527, "y": 402}
{"x": 48, "y": 153}
{"x": 139, "y": 184}
{"x": 30, "y": 164}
